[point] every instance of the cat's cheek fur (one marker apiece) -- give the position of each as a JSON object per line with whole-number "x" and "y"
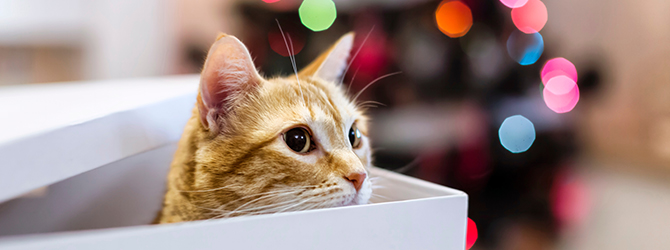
{"x": 364, "y": 152}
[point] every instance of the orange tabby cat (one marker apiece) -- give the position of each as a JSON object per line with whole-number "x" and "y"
{"x": 256, "y": 145}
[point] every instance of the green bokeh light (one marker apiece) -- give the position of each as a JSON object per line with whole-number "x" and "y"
{"x": 317, "y": 15}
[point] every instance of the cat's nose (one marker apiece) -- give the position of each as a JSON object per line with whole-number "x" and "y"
{"x": 356, "y": 178}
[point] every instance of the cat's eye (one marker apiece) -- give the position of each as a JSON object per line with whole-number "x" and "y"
{"x": 299, "y": 140}
{"x": 354, "y": 136}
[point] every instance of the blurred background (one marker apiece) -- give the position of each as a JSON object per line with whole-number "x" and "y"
{"x": 594, "y": 175}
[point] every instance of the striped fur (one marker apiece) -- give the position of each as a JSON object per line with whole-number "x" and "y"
{"x": 232, "y": 160}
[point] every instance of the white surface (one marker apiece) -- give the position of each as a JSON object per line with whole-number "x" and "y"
{"x": 417, "y": 215}
{"x": 127, "y": 192}
{"x": 52, "y": 132}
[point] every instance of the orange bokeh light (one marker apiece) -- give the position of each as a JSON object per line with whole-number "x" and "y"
{"x": 453, "y": 18}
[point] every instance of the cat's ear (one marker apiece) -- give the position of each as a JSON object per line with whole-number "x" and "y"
{"x": 227, "y": 76}
{"x": 331, "y": 64}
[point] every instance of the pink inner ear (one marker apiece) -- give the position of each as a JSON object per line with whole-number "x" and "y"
{"x": 228, "y": 75}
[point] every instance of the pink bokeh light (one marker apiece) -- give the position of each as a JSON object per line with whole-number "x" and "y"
{"x": 561, "y": 94}
{"x": 556, "y": 67}
{"x": 531, "y": 17}
{"x": 570, "y": 199}
{"x": 270, "y": 1}
{"x": 514, "y": 3}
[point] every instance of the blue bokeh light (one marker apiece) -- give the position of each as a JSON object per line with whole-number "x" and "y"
{"x": 517, "y": 134}
{"x": 525, "y": 48}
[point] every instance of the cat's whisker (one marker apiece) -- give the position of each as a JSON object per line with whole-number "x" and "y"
{"x": 375, "y": 178}
{"x": 372, "y": 102}
{"x": 366, "y": 107}
{"x": 219, "y": 209}
{"x": 264, "y": 207}
{"x": 283, "y": 203}
{"x": 274, "y": 195}
{"x": 275, "y": 208}
{"x": 352, "y": 80}
{"x": 356, "y": 54}
{"x": 201, "y": 191}
{"x": 380, "y": 196}
{"x": 409, "y": 166}
{"x": 295, "y": 205}
{"x": 295, "y": 69}
{"x": 315, "y": 205}
{"x": 264, "y": 193}
{"x": 265, "y": 197}
{"x": 374, "y": 81}
{"x": 379, "y": 149}
{"x": 281, "y": 207}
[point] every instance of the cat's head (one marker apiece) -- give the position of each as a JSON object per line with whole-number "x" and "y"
{"x": 278, "y": 144}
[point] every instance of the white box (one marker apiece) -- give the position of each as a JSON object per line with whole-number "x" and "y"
{"x": 104, "y": 150}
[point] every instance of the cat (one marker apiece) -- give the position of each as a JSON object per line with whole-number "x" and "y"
{"x": 258, "y": 146}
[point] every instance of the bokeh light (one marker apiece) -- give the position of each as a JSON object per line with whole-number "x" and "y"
{"x": 525, "y": 48}
{"x": 283, "y": 5}
{"x": 561, "y": 94}
{"x": 557, "y": 67}
{"x": 570, "y": 198}
{"x": 317, "y": 15}
{"x": 471, "y": 235}
{"x": 514, "y": 3}
{"x": 517, "y": 134}
{"x": 531, "y": 17}
{"x": 453, "y": 18}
